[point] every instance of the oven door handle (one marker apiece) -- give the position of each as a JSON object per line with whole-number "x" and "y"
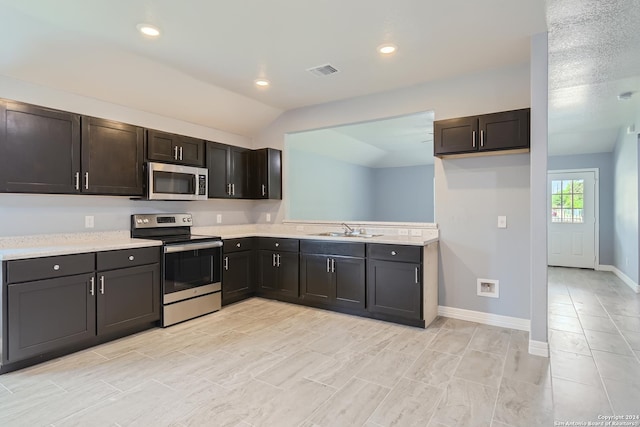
{"x": 192, "y": 246}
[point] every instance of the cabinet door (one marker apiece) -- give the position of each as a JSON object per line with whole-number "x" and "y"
{"x": 267, "y": 271}
{"x": 394, "y": 288}
{"x": 112, "y": 157}
{"x": 316, "y": 280}
{"x": 49, "y": 315}
{"x": 239, "y": 172}
{"x": 128, "y": 297}
{"x": 455, "y": 135}
{"x": 506, "y": 130}
{"x": 218, "y": 165}
{"x": 161, "y": 146}
{"x": 39, "y": 149}
{"x": 349, "y": 276}
{"x": 265, "y": 174}
{"x": 191, "y": 151}
{"x": 237, "y": 276}
{"x": 288, "y": 274}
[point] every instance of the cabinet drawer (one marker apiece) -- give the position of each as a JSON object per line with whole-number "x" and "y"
{"x": 332, "y": 248}
{"x": 110, "y": 260}
{"x": 237, "y": 245}
{"x": 403, "y": 253}
{"x": 274, "y": 244}
{"x": 24, "y": 270}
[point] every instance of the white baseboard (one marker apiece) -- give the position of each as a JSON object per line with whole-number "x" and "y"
{"x": 626, "y": 279}
{"x": 539, "y": 348}
{"x": 485, "y": 318}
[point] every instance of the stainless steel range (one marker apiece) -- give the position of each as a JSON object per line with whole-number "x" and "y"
{"x": 191, "y": 267}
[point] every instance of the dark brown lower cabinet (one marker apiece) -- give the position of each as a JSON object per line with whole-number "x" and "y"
{"x": 333, "y": 280}
{"x": 46, "y": 315}
{"x": 237, "y": 276}
{"x": 394, "y": 288}
{"x": 278, "y": 274}
{"x": 127, "y": 297}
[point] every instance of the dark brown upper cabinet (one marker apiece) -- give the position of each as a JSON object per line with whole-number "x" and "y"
{"x": 228, "y": 171}
{"x": 171, "y": 148}
{"x": 476, "y": 135}
{"x": 39, "y": 149}
{"x": 265, "y": 176}
{"x": 112, "y": 157}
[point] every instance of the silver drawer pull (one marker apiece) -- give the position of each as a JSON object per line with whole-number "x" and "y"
{"x": 131, "y": 258}
{"x": 277, "y": 244}
{"x": 102, "y": 285}
{"x": 93, "y": 284}
{"x": 56, "y": 267}
{"x": 394, "y": 253}
{"x": 237, "y": 245}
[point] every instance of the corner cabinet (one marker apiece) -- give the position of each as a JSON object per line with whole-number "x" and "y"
{"x": 506, "y": 131}
{"x": 228, "y": 171}
{"x": 172, "y": 148}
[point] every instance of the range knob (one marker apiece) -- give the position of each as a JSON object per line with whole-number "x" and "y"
{"x": 184, "y": 219}
{"x": 189, "y": 219}
{"x": 139, "y": 221}
{"x": 146, "y": 220}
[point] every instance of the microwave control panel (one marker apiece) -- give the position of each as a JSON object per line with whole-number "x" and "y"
{"x": 202, "y": 185}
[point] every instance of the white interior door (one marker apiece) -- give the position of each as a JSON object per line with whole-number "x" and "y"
{"x": 572, "y": 207}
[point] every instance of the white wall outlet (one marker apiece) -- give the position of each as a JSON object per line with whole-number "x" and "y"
{"x": 488, "y": 288}
{"x": 299, "y": 227}
{"x": 403, "y": 231}
{"x": 219, "y": 219}
{"x": 268, "y": 217}
{"x": 89, "y": 221}
{"x": 416, "y": 232}
{"x": 502, "y": 221}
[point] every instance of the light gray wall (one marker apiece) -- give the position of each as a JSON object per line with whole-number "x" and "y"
{"x": 604, "y": 163}
{"x": 24, "y": 214}
{"x": 324, "y": 188}
{"x": 403, "y": 194}
{"x": 489, "y": 91}
{"x": 625, "y": 210}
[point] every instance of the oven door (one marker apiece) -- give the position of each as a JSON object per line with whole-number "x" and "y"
{"x": 191, "y": 270}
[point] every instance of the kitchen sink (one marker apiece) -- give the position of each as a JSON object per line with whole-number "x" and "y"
{"x": 338, "y": 234}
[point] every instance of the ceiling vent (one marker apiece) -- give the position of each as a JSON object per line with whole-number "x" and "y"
{"x": 323, "y": 70}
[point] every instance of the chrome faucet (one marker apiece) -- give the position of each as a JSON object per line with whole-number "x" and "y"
{"x": 347, "y": 229}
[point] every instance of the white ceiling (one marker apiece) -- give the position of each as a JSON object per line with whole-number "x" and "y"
{"x": 203, "y": 66}
{"x": 594, "y": 55}
{"x": 394, "y": 142}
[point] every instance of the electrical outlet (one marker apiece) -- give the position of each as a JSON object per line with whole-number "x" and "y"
{"x": 403, "y": 232}
{"x": 219, "y": 218}
{"x": 88, "y": 221}
{"x": 416, "y": 232}
{"x": 268, "y": 217}
{"x": 502, "y": 221}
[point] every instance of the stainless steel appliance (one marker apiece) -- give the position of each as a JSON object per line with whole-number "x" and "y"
{"x": 191, "y": 266}
{"x": 175, "y": 182}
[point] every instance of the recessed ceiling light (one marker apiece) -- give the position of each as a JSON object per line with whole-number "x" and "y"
{"x": 148, "y": 30}
{"x": 262, "y": 82}
{"x": 625, "y": 96}
{"x": 387, "y": 49}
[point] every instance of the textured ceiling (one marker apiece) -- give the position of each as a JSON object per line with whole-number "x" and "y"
{"x": 594, "y": 55}
{"x": 203, "y": 66}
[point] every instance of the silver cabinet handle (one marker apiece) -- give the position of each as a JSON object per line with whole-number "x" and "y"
{"x": 102, "y": 285}
{"x": 92, "y": 290}
{"x": 417, "y": 279}
{"x": 86, "y": 180}
{"x": 181, "y": 152}
{"x": 274, "y": 259}
{"x": 278, "y": 260}
{"x": 226, "y": 263}
{"x": 333, "y": 265}
{"x": 77, "y": 180}
{"x": 473, "y": 138}
{"x": 264, "y": 190}
{"x": 229, "y": 189}
{"x": 56, "y": 267}
{"x": 277, "y": 244}
{"x": 131, "y": 257}
{"x": 237, "y": 245}
{"x": 394, "y": 253}
{"x": 481, "y": 138}
{"x": 175, "y": 153}
{"x": 233, "y": 189}
{"x": 328, "y": 265}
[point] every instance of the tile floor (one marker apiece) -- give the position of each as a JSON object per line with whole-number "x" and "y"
{"x": 266, "y": 363}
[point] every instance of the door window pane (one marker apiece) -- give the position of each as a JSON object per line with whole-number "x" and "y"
{"x": 567, "y": 201}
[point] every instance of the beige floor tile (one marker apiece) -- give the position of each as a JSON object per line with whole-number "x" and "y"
{"x": 333, "y": 343}
{"x": 433, "y": 368}
{"x": 233, "y": 370}
{"x": 411, "y": 342}
{"x": 286, "y": 372}
{"x": 574, "y": 367}
{"x": 579, "y": 402}
{"x": 451, "y": 341}
{"x": 339, "y": 369}
{"x": 519, "y": 340}
{"x": 466, "y": 404}
{"x": 437, "y": 323}
{"x": 633, "y": 338}
{"x": 613, "y": 343}
{"x": 560, "y": 298}
{"x": 491, "y": 339}
{"x": 617, "y": 367}
{"x": 479, "y": 367}
{"x": 596, "y": 323}
{"x": 410, "y": 403}
{"x": 562, "y": 310}
{"x": 525, "y": 367}
{"x": 460, "y": 325}
{"x": 524, "y": 405}
{"x": 626, "y": 323}
{"x": 590, "y": 309}
{"x": 568, "y": 341}
{"x": 624, "y": 396}
{"x": 375, "y": 343}
{"x": 350, "y": 406}
{"x": 386, "y": 368}
{"x": 565, "y": 323}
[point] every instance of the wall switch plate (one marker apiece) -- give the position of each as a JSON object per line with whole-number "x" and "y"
{"x": 219, "y": 218}
{"x": 89, "y": 221}
{"x": 403, "y": 232}
{"x": 268, "y": 217}
{"x": 502, "y": 222}
{"x": 488, "y": 288}
{"x": 416, "y": 232}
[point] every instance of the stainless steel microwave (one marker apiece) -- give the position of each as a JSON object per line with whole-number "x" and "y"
{"x": 175, "y": 182}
